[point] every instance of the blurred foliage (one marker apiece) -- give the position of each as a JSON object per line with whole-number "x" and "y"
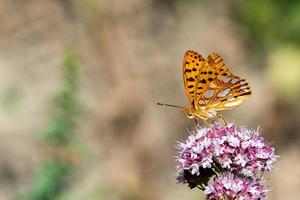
{"x": 183, "y": 2}
{"x": 268, "y": 22}
{"x": 51, "y": 180}
{"x": 66, "y": 108}
{"x": 284, "y": 67}
{"x": 54, "y": 174}
{"x": 273, "y": 33}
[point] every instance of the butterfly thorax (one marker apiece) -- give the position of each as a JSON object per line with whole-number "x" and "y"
{"x": 202, "y": 113}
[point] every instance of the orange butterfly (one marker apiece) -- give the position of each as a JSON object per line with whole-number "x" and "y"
{"x": 210, "y": 86}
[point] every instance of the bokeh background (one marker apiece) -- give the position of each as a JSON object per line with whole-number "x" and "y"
{"x": 79, "y": 82}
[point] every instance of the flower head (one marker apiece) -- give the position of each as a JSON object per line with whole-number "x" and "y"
{"x": 229, "y": 147}
{"x": 230, "y": 186}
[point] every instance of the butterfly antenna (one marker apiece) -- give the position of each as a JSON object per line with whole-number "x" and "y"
{"x": 170, "y": 105}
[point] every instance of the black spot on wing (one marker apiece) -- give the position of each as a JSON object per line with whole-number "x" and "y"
{"x": 191, "y": 79}
{"x": 203, "y": 81}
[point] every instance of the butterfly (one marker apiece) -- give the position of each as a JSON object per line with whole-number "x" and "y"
{"x": 210, "y": 86}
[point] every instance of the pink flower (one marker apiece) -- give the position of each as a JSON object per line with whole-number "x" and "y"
{"x": 241, "y": 160}
{"x": 232, "y": 148}
{"x": 206, "y": 162}
{"x": 234, "y": 157}
{"x": 231, "y": 186}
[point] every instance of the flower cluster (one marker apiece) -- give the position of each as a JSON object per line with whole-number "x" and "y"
{"x": 237, "y": 149}
{"x": 230, "y": 153}
{"x": 230, "y": 186}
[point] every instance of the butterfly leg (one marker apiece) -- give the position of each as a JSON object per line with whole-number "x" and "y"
{"x": 207, "y": 124}
{"x": 198, "y": 125}
{"x": 196, "y": 122}
{"x": 221, "y": 117}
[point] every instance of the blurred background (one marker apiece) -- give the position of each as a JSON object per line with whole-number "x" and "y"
{"x": 80, "y": 80}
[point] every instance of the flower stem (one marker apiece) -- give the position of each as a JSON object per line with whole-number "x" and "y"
{"x": 215, "y": 170}
{"x": 200, "y": 187}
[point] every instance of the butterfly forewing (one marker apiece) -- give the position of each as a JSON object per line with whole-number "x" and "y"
{"x": 192, "y": 64}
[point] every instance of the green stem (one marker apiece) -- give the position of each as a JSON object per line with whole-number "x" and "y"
{"x": 215, "y": 171}
{"x": 200, "y": 187}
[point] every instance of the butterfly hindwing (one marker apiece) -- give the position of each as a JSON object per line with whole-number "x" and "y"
{"x": 217, "y": 88}
{"x": 192, "y": 64}
{"x": 231, "y": 96}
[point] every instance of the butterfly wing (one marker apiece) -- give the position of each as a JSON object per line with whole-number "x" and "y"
{"x": 218, "y": 88}
{"x": 230, "y": 96}
{"x": 193, "y": 62}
